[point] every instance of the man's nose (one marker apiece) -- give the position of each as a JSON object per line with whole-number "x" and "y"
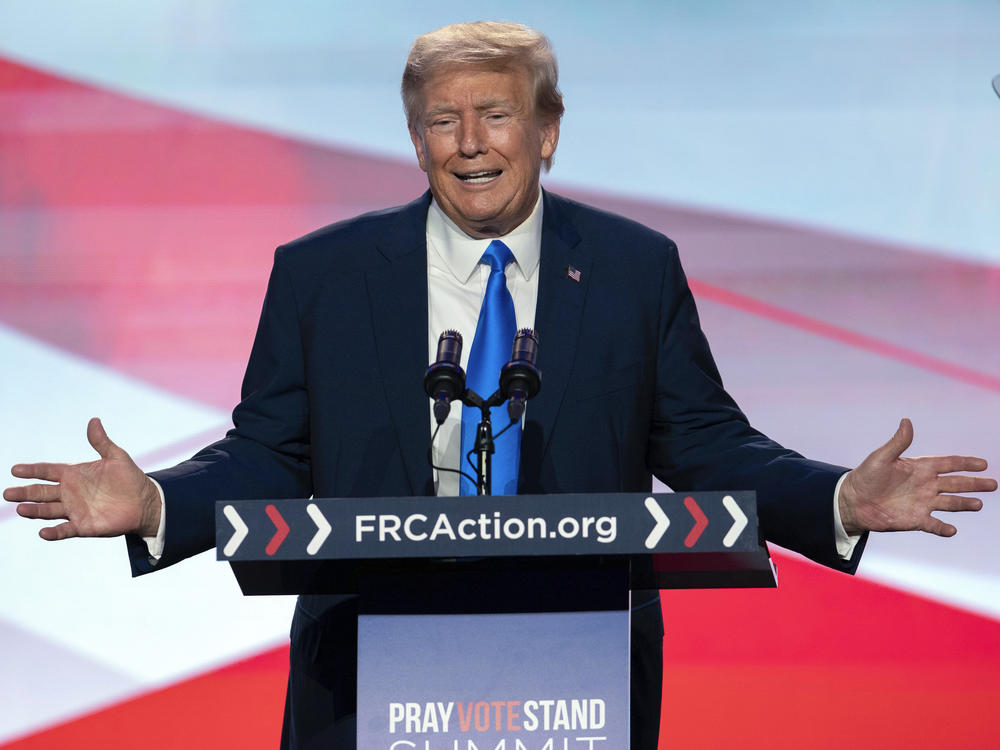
{"x": 472, "y": 138}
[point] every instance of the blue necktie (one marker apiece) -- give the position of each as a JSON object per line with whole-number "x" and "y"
{"x": 490, "y": 351}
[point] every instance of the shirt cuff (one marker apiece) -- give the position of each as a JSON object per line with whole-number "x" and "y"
{"x": 845, "y": 542}
{"x": 155, "y": 543}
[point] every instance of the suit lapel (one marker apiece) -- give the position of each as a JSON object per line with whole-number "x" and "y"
{"x": 398, "y": 296}
{"x": 558, "y": 321}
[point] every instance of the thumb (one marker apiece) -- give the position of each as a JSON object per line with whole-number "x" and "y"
{"x": 899, "y": 442}
{"x": 99, "y": 439}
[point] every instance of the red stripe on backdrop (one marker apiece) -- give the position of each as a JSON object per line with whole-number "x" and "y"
{"x": 16, "y": 77}
{"x": 69, "y": 144}
{"x": 140, "y": 236}
{"x": 845, "y": 336}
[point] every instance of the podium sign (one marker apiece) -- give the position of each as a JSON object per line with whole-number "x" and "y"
{"x": 514, "y": 681}
{"x": 703, "y": 539}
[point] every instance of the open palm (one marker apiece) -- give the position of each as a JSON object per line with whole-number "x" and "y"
{"x": 889, "y": 492}
{"x": 107, "y": 497}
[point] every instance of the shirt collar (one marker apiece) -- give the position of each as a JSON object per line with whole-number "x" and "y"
{"x": 461, "y": 253}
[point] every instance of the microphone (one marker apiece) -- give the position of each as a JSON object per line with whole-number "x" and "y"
{"x": 519, "y": 378}
{"x": 445, "y": 379}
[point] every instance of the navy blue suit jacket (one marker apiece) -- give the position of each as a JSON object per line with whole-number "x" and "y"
{"x": 333, "y": 406}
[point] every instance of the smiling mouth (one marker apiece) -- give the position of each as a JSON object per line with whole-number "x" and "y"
{"x": 476, "y": 178}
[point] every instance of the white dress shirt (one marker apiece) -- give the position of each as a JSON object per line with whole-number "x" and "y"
{"x": 456, "y": 284}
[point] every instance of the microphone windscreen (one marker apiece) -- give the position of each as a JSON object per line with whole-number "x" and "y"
{"x": 450, "y": 347}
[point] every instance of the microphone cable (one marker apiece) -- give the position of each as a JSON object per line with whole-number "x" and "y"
{"x": 430, "y": 458}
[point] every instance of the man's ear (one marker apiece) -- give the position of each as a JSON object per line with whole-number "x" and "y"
{"x": 417, "y": 137}
{"x": 550, "y": 138}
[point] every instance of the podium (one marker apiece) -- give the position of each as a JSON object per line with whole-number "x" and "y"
{"x": 494, "y": 622}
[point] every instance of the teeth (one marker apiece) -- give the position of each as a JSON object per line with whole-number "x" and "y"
{"x": 478, "y": 177}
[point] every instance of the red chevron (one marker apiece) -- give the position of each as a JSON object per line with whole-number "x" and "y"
{"x": 700, "y": 521}
{"x": 280, "y": 534}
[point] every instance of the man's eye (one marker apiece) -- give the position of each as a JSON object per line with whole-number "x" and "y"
{"x": 443, "y": 125}
{"x": 497, "y": 117}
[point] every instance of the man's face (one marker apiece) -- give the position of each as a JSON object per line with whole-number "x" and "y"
{"x": 481, "y": 147}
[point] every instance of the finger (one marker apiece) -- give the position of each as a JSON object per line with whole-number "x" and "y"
{"x": 45, "y": 471}
{"x": 15, "y": 494}
{"x": 966, "y": 484}
{"x": 956, "y": 503}
{"x": 32, "y": 493}
{"x": 936, "y": 526}
{"x": 46, "y": 511}
{"x": 55, "y": 533}
{"x": 99, "y": 439}
{"x": 899, "y": 442}
{"x": 948, "y": 464}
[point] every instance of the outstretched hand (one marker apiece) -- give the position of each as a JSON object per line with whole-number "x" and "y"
{"x": 107, "y": 497}
{"x": 888, "y": 492}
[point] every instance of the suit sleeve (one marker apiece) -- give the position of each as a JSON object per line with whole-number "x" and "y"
{"x": 700, "y": 440}
{"x": 265, "y": 455}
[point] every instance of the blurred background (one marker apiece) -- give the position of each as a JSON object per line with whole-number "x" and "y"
{"x": 831, "y": 173}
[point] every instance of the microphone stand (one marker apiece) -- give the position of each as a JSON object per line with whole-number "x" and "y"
{"x": 483, "y": 447}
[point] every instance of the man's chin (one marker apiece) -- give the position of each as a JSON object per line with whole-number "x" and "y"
{"x": 484, "y": 231}
{"x": 479, "y": 224}
{"x": 482, "y": 223}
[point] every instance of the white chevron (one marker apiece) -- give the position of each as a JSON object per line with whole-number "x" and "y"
{"x": 323, "y": 528}
{"x": 239, "y": 534}
{"x": 662, "y": 522}
{"x": 739, "y": 521}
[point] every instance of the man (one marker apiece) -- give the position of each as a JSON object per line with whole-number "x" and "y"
{"x": 630, "y": 385}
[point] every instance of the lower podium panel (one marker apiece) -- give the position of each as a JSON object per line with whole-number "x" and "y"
{"x": 538, "y": 681}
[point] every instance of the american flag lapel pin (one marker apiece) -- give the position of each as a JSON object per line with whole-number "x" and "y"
{"x": 573, "y": 273}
